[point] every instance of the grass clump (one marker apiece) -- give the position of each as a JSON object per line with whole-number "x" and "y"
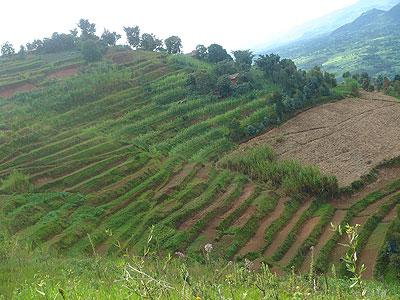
{"x": 16, "y": 182}
{"x": 261, "y": 164}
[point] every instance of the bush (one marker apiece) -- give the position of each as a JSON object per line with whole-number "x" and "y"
{"x": 91, "y": 51}
{"x": 224, "y": 86}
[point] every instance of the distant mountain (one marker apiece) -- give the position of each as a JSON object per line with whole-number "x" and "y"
{"x": 327, "y": 24}
{"x": 370, "y": 43}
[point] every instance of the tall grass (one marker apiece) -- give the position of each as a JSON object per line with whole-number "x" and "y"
{"x": 261, "y": 164}
{"x": 16, "y": 182}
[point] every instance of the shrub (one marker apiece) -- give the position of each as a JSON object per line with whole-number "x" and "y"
{"x": 91, "y": 51}
{"x": 224, "y": 86}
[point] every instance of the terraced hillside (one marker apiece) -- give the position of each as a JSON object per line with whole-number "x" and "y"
{"x": 124, "y": 145}
{"x": 33, "y": 71}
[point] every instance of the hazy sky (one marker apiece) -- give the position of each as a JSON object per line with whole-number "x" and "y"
{"x": 234, "y": 24}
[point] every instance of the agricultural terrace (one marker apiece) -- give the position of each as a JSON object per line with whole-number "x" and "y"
{"x": 135, "y": 141}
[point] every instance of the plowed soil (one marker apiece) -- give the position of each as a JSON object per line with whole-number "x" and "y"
{"x": 12, "y": 90}
{"x": 346, "y": 138}
{"x": 66, "y": 72}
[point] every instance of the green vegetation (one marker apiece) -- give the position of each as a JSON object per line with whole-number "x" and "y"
{"x": 27, "y": 274}
{"x": 146, "y": 142}
{"x": 260, "y": 163}
{"x": 16, "y": 182}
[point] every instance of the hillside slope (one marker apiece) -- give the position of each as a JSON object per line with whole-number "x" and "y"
{"x": 348, "y": 137}
{"x": 368, "y": 44}
{"x": 123, "y": 146}
{"x": 326, "y": 24}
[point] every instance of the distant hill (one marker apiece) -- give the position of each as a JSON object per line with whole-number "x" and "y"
{"x": 370, "y": 43}
{"x": 328, "y": 23}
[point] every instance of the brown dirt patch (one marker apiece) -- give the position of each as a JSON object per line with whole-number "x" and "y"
{"x": 390, "y": 216}
{"x": 346, "y": 138}
{"x": 369, "y": 254}
{"x": 281, "y": 236}
{"x": 8, "y": 92}
{"x": 210, "y": 231}
{"x": 385, "y": 176}
{"x": 301, "y": 236}
{"x": 324, "y": 238}
{"x": 43, "y": 180}
{"x": 249, "y": 211}
{"x": 339, "y": 251}
{"x": 63, "y": 73}
{"x": 257, "y": 241}
{"x": 176, "y": 180}
{"x": 215, "y": 203}
{"x": 203, "y": 173}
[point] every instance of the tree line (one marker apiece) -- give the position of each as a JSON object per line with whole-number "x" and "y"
{"x": 84, "y": 38}
{"x": 380, "y": 83}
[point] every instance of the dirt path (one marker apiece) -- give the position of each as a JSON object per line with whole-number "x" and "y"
{"x": 211, "y": 229}
{"x": 339, "y": 251}
{"x": 301, "y": 236}
{"x": 346, "y": 138}
{"x": 281, "y": 236}
{"x": 246, "y": 215}
{"x": 215, "y": 203}
{"x": 371, "y": 250}
{"x": 326, "y": 235}
{"x": 257, "y": 241}
{"x": 176, "y": 180}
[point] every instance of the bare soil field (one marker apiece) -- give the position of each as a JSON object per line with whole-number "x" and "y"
{"x": 66, "y": 72}
{"x": 346, "y": 138}
{"x": 12, "y": 90}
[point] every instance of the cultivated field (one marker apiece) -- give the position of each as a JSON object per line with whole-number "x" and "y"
{"x": 346, "y": 139}
{"x": 124, "y": 146}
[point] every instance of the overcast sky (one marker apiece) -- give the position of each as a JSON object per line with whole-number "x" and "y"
{"x": 234, "y": 24}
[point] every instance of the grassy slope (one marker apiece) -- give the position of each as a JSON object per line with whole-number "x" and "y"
{"x": 119, "y": 148}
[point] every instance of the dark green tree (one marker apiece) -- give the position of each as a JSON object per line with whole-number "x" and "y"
{"x": 91, "y": 51}
{"x": 224, "y": 86}
{"x": 173, "y": 44}
{"x": 7, "y": 49}
{"x": 379, "y": 81}
{"x": 88, "y": 30}
{"x": 110, "y": 38}
{"x": 133, "y": 36}
{"x": 346, "y": 75}
{"x": 244, "y": 58}
{"x": 277, "y": 101}
{"x": 150, "y": 42}
{"x": 236, "y": 132}
{"x": 36, "y": 45}
{"x": 58, "y": 43}
{"x": 217, "y": 53}
{"x": 201, "y": 81}
{"x": 22, "y": 51}
{"x": 201, "y": 52}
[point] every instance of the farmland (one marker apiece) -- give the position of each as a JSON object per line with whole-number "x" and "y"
{"x": 95, "y": 157}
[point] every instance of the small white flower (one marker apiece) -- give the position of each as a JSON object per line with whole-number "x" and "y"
{"x": 208, "y": 248}
{"x": 179, "y": 254}
{"x": 248, "y": 264}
